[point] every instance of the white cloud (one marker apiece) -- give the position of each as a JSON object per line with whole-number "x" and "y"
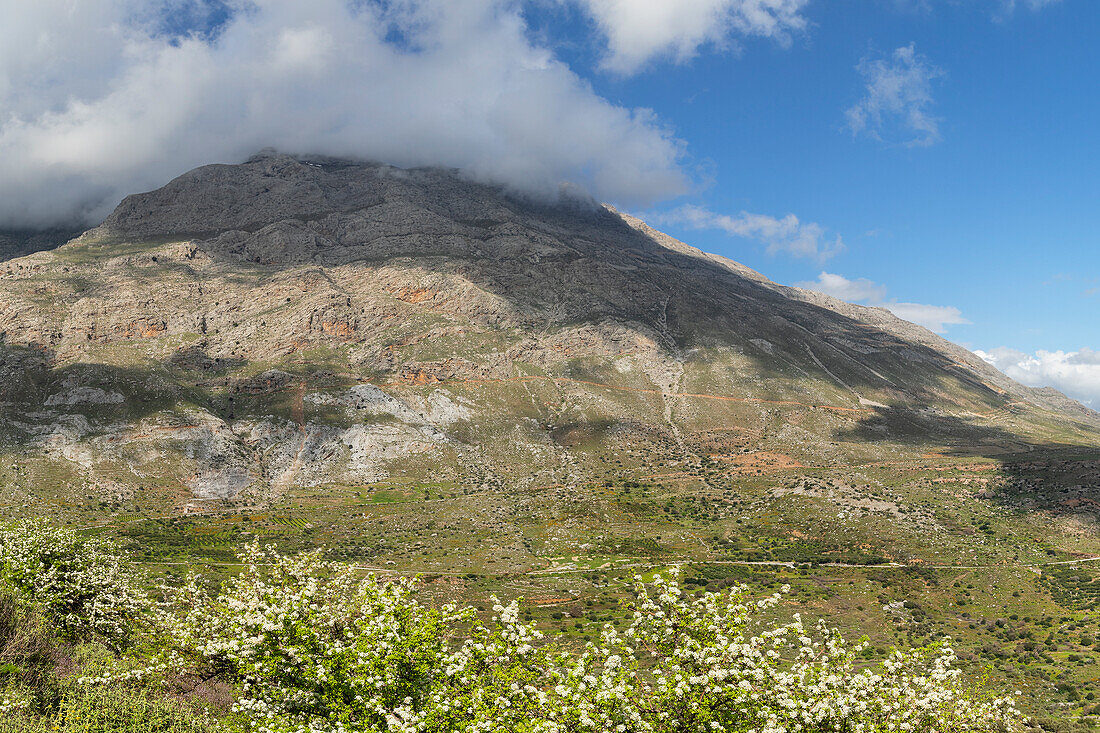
{"x": 935, "y": 318}
{"x": 99, "y": 100}
{"x": 854, "y": 291}
{"x": 1084, "y": 357}
{"x": 639, "y": 31}
{"x": 786, "y": 234}
{"x": 896, "y": 101}
{"x": 1076, "y": 373}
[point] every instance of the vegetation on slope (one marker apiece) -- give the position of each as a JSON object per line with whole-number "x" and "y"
{"x": 296, "y": 643}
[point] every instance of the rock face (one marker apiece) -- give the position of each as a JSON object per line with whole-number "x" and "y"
{"x": 295, "y": 322}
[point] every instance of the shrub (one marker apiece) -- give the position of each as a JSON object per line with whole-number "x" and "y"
{"x": 27, "y": 648}
{"x": 120, "y": 710}
{"x": 315, "y": 649}
{"x": 310, "y": 643}
{"x": 13, "y": 700}
{"x": 83, "y": 585}
{"x": 21, "y": 724}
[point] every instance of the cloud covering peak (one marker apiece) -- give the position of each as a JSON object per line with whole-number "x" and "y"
{"x": 107, "y": 97}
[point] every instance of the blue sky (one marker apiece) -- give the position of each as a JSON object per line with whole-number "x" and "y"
{"x": 936, "y": 157}
{"x": 1000, "y": 217}
{"x": 997, "y": 214}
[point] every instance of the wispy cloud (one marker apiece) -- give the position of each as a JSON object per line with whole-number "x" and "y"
{"x": 1077, "y": 373}
{"x": 1090, "y": 286}
{"x": 639, "y": 31}
{"x": 1001, "y": 9}
{"x": 1009, "y": 6}
{"x": 784, "y": 234}
{"x": 935, "y": 318}
{"x": 897, "y": 100}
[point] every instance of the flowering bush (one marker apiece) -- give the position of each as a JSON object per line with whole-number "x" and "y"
{"x": 13, "y": 701}
{"x": 83, "y": 585}
{"x": 314, "y": 649}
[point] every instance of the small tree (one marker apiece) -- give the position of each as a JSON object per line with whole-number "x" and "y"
{"x": 312, "y": 646}
{"x": 85, "y": 586}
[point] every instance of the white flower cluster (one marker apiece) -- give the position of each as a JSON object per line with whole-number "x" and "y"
{"x": 84, "y": 585}
{"x": 13, "y": 702}
{"x": 316, "y": 650}
{"x": 132, "y": 675}
{"x": 313, "y": 647}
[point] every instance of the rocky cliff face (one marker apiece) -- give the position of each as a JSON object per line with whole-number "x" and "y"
{"x": 285, "y": 323}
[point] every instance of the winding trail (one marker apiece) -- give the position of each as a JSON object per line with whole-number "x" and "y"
{"x": 655, "y": 566}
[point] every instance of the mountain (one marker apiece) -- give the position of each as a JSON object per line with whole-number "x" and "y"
{"x": 303, "y": 322}
{"x": 296, "y": 322}
{"x": 426, "y": 373}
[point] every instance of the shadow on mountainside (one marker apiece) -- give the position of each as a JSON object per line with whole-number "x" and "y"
{"x": 21, "y": 242}
{"x": 36, "y": 391}
{"x": 933, "y": 430}
{"x": 1042, "y": 474}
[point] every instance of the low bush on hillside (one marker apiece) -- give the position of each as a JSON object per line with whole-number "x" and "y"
{"x": 307, "y": 646}
{"x": 114, "y": 710}
{"x": 84, "y": 586}
{"x": 122, "y": 710}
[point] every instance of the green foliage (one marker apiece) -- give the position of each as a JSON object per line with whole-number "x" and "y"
{"x": 1074, "y": 587}
{"x": 28, "y": 655}
{"x": 307, "y": 646}
{"x": 23, "y": 724}
{"x": 121, "y": 710}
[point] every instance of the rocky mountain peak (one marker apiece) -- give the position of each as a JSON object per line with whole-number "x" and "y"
{"x": 299, "y": 321}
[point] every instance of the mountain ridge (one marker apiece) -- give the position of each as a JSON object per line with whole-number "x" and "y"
{"x": 248, "y": 301}
{"x": 874, "y": 315}
{"x": 250, "y": 211}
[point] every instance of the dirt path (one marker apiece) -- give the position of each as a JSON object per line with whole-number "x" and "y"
{"x": 792, "y": 565}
